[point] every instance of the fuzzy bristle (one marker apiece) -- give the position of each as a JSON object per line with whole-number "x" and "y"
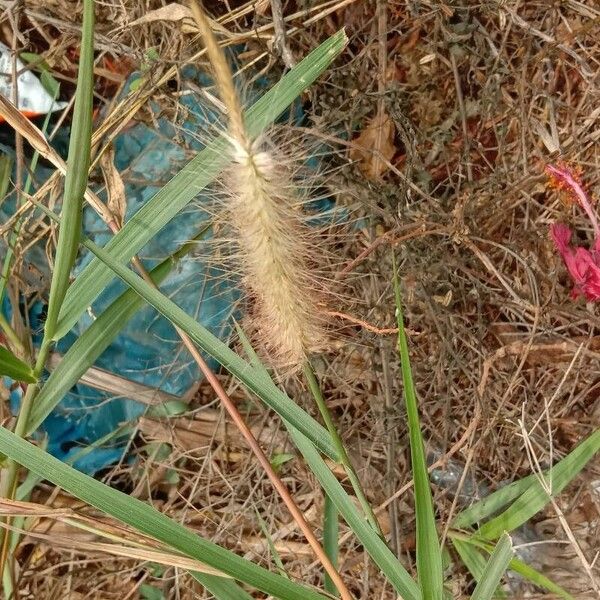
{"x": 276, "y": 249}
{"x": 274, "y": 245}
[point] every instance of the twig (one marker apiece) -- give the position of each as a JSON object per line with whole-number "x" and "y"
{"x": 463, "y": 115}
{"x": 280, "y": 39}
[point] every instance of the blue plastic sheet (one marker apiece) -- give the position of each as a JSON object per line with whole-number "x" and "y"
{"x": 148, "y": 350}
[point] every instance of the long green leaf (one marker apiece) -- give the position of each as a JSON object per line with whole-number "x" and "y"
{"x": 373, "y": 544}
{"x": 14, "y": 368}
{"x": 535, "y": 577}
{"x": 330, "y": 540}
{"x": 429, "y": 555}
{"x": 78, "y": 163}
{"x": 494, "y": 569}
{"x": 536, "y": 497}
{"x": 258, "y": 382}
{"x": 471, "y": 557}
{"x": 493, "y": 503}
{"x": 190, "y": 181}
{"x": 149, "y": 521}
{"x": 92, "y": 343}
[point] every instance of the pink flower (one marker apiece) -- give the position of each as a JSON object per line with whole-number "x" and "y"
{"x": 583, "y": 264}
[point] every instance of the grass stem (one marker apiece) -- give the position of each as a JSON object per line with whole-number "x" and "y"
{"x": 317, "y": 394}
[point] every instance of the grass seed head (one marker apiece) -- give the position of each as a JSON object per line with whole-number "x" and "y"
{"x": 275, "y": 246}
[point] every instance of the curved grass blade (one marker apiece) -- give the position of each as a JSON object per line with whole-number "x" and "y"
{"x": 535, "y": 577}
{"x": 536, "y": 496}
{"x": 258, "y": 382}
{"x": 494, "y": 569}
{"x": 15, "y": 368}
{"x": 493, "y": 503}
{"x": 191, "y": 180}
{"x": 429, "y": 555}
{"x": 471, "y": 557}
{"x": 149, "y": 521}
{"x": 92, "y": 343}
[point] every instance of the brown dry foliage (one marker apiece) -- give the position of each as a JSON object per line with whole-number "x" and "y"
{"x": 481, "y": 95}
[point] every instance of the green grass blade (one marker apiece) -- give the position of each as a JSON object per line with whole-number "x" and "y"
{"x": 494, "y": 569}
{"x": 78, "y": 163}
{"x": 221, "y": 588}
{"x": 92, "y": 343}
{"x": 330, "y": 540}
{"x": 469, "y": 549}
{"x": 474, "y": 560}
{"x": 199, "y": 172}
{"x": 536, "y": 497}
{"x": 14, "y": 368}
{"x": 383, "y": 557}
{"x": 272, "y": 549}
{"x": 531, "y": 574}
{"x": 493, "y": 503}
{"x": 471, "y": 557}
{"x": 429, "y": 555}
{"x": 6, "y": 164}
{"x": 149, "y": 521}
{"x": 257, "y": 381}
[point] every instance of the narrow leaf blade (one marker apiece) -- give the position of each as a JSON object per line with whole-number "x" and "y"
{"x": 15, "y": 368}
{"x": 493, "y": 503}
{"x": 429, "y": 555}
{"x": 78, "y": 163}
{"x": 494, "y": 569}
{"x": 149, "y": 521}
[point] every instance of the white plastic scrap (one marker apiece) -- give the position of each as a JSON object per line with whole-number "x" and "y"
{"x": 33, "y": 98}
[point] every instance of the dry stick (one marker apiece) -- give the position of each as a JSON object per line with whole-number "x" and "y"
{"x": 280, "y": 40}
{"x": 255, "y": 447}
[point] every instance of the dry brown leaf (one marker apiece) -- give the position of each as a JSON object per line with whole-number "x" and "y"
{"x": 170, "y": 12}
{"x": 115, "y": 189}
{"x": 177, "y": 12}
{"x": 375, "y": 146}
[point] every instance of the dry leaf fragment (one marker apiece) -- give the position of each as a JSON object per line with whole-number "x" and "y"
{"x": 170, "y": 12}
{"x": 115, "y": 189}
{"x": 375, "y": 146}
{"x": 177, "y": 12}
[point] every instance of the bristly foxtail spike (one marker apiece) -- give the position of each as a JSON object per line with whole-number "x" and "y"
{"x": 274, "y": 243}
